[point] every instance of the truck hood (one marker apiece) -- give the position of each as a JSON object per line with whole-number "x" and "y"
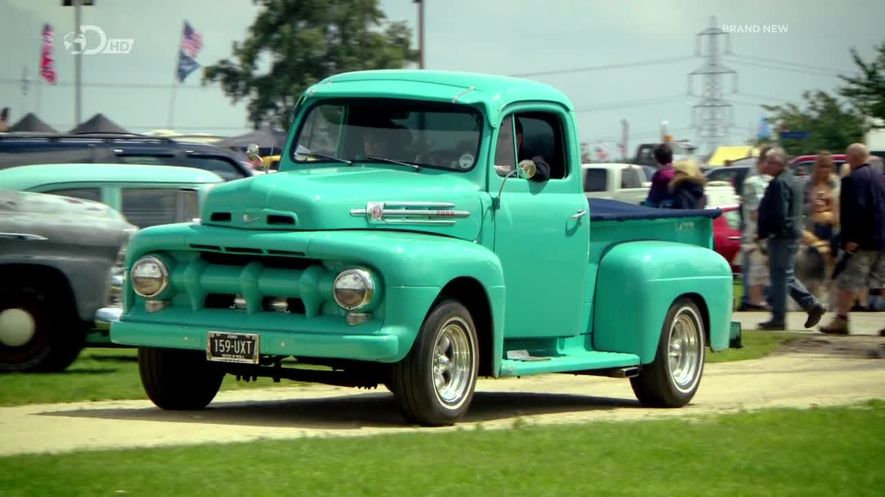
{"x": 357, "y": 197}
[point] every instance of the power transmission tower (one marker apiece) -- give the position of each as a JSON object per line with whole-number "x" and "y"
{"x": 711, "y": 117}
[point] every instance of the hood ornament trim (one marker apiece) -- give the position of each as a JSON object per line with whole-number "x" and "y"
{"x": 411, "y": 212}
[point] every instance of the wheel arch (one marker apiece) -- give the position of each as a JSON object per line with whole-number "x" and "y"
{"x": 472, "y": 294}
{"x": 699, "y": 301}
{"x": 50, "y": 279}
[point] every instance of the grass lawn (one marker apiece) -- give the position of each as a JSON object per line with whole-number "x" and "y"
{"x": 756, "y": 344}
{"x": 112, "y": 374}
{"x": 822, "y": 451}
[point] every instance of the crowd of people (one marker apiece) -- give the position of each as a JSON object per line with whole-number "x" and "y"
{"x": 837, "y": 215}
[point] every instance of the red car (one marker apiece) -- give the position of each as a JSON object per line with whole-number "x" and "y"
{"x": 801, "y": 165}
{"x": 727, "y": 234}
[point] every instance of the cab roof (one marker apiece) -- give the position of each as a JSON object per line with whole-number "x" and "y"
{"x": 490, "y": 91}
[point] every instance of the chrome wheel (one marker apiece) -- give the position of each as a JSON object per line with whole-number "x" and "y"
{"x": 673, "y": 377}
{"x": 453, "y": 363}
{"x": 433, "y": 385}
{"x": 685, "y": 350}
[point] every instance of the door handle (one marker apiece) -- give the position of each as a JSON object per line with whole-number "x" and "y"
{"x": 578, "y": 215}
{"x": 734, "y": 238}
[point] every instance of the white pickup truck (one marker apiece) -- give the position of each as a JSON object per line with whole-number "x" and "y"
{"x": 616, "y": 181}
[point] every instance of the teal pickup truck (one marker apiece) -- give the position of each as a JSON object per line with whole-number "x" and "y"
{"x": 425, "y": 229}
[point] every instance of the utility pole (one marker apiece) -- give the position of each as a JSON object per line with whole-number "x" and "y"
{"x": 420, "y": 33}
{"x": 78, "y": 55}
{"x": 78, "y": 66}
{"x": 712, "y": 116}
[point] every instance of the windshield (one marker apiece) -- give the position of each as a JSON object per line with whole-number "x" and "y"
{"x": 422, "y": 133}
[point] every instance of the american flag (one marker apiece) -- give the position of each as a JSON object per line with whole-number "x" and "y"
{"x": 191, "y": 41}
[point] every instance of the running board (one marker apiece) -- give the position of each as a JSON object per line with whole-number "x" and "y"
{"x": 583, "y": 362}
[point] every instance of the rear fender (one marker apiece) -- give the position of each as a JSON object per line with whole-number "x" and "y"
{"x": 638, "y": 281}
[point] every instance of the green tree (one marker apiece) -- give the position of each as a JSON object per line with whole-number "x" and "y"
{"x": 829, "y": 125}
{"x": 866, "y": 90}
{"x": 304, "y": 41}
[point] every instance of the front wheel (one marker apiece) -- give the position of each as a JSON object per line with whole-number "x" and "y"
{"x": 178, "y": 379}
{"x": 434, "y": 384}
{"x": 673, "y": 378}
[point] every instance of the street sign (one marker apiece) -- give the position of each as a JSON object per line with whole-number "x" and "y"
{"x": 793, "y": 135}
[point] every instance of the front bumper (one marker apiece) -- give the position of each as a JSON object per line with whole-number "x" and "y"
{"x": 107, "y": 315}
{"x": 386, "y": 338}
{"x": 377, "y": 347}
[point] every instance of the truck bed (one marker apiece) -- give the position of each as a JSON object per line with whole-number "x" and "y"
{"x": 614, "y": 222}
{"x": 613, "y": 210}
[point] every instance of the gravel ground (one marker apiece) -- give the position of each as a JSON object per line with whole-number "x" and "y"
{"x": 813, "y": 370}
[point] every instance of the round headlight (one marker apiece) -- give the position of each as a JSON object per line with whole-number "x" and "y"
{"x": 149, "y": 276}
{"x": 353, "y": 288}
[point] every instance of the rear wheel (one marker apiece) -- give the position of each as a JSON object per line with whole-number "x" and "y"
{"x": 39, "y": 329}
{"x": 434, "y": 384}
{"x": 178, "y": 379}
{"x": 673, "y": 378}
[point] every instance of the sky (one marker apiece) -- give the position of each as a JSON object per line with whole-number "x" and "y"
{"x": 616, "y": 60}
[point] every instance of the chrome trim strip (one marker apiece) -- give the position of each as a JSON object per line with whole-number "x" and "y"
{"x": 30, "y": 237}
{"x": 410, "y": 212}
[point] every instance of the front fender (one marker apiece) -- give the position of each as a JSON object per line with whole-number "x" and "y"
{"x": 646, "y": 277}
{"x": 413, "y": 267}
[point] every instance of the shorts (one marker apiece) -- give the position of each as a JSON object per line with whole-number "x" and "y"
{"x": 758, "y": 274}
{"x": 864, "y": 269}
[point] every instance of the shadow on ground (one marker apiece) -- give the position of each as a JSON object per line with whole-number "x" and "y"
{"x": 374, "y": 409}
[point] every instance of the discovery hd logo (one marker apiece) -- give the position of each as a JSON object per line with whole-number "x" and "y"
{"x": 80, "y": 43}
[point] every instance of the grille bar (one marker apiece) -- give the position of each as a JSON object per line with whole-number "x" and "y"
{"x": 198, "y": 279}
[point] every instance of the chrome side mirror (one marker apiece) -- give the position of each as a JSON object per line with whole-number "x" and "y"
{"x": 253, "y": 155}
{"x": 526, "y": 169}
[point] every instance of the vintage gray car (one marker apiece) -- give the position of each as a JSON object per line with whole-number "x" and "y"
{"x": 56, "y": 256}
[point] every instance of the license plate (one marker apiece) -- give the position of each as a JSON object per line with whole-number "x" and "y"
{"x": 232, "y": 347}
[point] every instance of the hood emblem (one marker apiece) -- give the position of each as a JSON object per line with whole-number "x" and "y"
{"x": 248, "y": 219}
{"x": 410, "y": 212}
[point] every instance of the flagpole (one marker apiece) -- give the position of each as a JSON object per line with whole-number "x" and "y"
{"x": 172, "y": 101}
{"x": 171, "y": 114}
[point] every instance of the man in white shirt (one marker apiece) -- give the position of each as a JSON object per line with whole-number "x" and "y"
{"x": 754, "y": 264}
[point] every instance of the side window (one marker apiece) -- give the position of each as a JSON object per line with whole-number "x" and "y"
{"x": 595, "y": 180}
{"x": 146, "y": 207}
{"x": 630, "y": 178}
{"x": 505, "y": 150}
{"x": 158, "y": 160}
{"x": 221, "y": 166}
{"x": 83, "y": 193}
{"x": 539, "y": 135}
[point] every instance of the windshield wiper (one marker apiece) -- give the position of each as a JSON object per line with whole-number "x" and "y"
{"x": 394, "y": 161}
{"x": 327, "y": 157}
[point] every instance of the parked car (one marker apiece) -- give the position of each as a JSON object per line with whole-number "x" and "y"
{"x": 801, "y": 165}
{"x": 735, "y": 174}
{"x": 421, "y": 269}
{"x": 145, "y": 195}
{"x": 623, "y": 182}
{"x": 29, "y": 148}
{"x": 56, "y": 255}
{"x": 727, "y": 234}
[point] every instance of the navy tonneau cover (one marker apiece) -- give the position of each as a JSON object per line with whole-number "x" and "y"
{"x": 612, "y": 210}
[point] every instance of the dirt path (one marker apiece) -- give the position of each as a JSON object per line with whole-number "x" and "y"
{"x": 813, "y": 371}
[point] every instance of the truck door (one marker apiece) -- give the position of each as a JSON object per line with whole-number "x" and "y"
{"x": 541, "y": 227}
